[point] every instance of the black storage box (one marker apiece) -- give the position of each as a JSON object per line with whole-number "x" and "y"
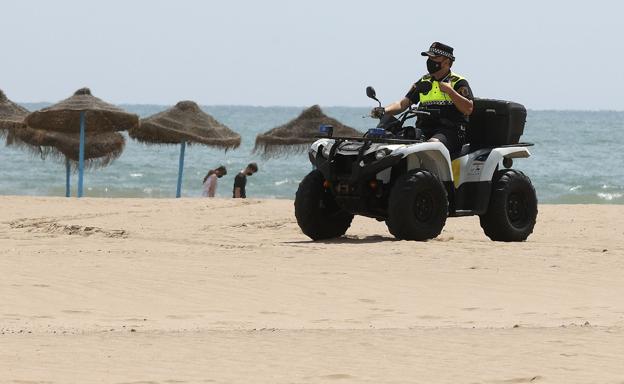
{"x": 496, "y": 122}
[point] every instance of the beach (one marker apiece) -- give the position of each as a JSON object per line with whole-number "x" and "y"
{"x": 230, "y": 291}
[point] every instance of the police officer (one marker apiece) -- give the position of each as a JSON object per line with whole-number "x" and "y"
{"x": 446, "y": 95}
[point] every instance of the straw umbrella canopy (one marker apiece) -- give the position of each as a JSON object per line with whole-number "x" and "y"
{"x": 299, "y": 133}
{"x": 185, "y": 122}
{"x": 182, "y": 123}
{"x": 11, "y": 114}
{"x": 55, "y": 130}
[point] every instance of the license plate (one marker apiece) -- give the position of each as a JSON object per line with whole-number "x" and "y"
{"x": 343, "y": 189}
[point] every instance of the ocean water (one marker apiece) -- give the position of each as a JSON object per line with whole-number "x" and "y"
{"x": 577, "y": 158}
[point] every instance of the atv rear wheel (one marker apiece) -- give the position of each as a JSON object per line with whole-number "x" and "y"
{"x": 418, "y": 206}
{"x": 512, "y": 211}
{"x": 316, "y": 210}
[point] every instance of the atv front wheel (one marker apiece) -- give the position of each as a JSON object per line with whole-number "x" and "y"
{"x": 316, "y": 210}
{"x": 512, "y": 211}
{"x": 418, "y": 206}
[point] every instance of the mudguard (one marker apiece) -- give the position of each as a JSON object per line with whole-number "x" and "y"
{"x": 497, "y": 155}
{"x": 432, "y": 156}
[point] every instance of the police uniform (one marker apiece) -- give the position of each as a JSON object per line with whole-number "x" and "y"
{"x": 445, "y": 123}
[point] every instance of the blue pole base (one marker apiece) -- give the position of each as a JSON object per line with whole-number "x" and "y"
{"x": 180, "y": 170}
{"x": 67, "y": 178}
{"x": 81, "y": 154}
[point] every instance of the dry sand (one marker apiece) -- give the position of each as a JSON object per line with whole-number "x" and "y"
{"x": 223, "y": 291}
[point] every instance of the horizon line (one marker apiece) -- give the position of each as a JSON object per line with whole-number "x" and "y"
{"x": 323, "y": 106}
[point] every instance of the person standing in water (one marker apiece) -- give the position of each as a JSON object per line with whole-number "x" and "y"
{"x": 240, "y": 181}
{"x": 210, "y": 181}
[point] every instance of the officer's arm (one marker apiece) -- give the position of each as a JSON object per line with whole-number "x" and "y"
{"x": 398, "y": 106}
{"x": 463, "y": 104}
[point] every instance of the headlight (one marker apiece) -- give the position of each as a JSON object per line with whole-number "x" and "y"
{"x": 381, "y": 154}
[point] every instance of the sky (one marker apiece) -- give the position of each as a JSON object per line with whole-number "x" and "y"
{"x": 543, "y": 54}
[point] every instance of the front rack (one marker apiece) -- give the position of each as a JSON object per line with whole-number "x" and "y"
{"x": 371, "y": 139}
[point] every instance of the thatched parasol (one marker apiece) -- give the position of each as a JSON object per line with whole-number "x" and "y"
{"x": 65, "y": 115}
{"x": 99, "y": 148}
{"x": 185, "y": 122}
{"x": 298, "y": 134}
{"x": 81, "y": 128}
{"x": 11, "y": 114}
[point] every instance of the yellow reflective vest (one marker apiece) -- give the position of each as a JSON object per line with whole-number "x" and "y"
{"x": 435, "y": 96}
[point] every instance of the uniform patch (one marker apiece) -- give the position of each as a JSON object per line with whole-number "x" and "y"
{"x": 464, "y": 91}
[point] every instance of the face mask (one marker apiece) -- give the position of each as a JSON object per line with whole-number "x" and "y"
{"x": 249, "y": 173}
{"x": 219, "y": 176}
{"x": 433, "y": 66}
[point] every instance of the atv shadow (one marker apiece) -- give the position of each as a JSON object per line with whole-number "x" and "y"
{"x": 346, "y": 240}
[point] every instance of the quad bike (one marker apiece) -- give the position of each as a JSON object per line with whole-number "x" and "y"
{"x": 390, "y": 174}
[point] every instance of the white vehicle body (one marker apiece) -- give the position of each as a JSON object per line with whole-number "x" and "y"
{"x": 477, "y": 166}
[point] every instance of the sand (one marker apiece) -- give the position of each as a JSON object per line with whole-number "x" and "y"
{"x": 224, "y": 291}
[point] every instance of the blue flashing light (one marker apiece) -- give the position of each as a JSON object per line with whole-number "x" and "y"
{"x": 376, "y": 132}
{"x": 326, "y": 130}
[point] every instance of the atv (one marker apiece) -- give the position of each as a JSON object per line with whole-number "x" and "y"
{"x": 393, "y": 175}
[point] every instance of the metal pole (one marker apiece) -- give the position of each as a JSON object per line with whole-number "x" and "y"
{"x": 67, "y": 174}
{"x": 81, "y": 153}
{"x": 181, "y": 169}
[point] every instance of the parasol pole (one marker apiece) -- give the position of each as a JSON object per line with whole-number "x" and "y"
{"x": 181, "y": 169}
{"x": 81, "y": 153}
{"x": 67, "y": 174}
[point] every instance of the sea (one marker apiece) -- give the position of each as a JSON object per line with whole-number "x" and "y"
{"x": 578, "y": 158}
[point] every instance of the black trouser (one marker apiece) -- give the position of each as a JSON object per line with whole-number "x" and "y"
{"x": 452, "y": 138}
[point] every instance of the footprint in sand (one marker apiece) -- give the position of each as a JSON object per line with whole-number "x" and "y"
{"x": 272, "y": 313}
{"x": 138, "y": 382}
{"x": 75, "y": 312}
{"x": 520, "y": 380}
{"x": 52, "y": 226}
{"x": 337, "y": 376}
{"x": 179, "y": 317}
{"x": 369, "y": 301}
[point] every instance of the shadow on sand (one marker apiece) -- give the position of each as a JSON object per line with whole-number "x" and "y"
{"x": 346, "y": 240}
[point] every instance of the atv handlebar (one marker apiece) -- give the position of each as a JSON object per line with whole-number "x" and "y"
{"x": 411, "y": 113}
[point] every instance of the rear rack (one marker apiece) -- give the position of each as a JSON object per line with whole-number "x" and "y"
{"x": 516, "y": 145}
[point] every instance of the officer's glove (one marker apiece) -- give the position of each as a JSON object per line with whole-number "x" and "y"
{"x": 378, "y": 112}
